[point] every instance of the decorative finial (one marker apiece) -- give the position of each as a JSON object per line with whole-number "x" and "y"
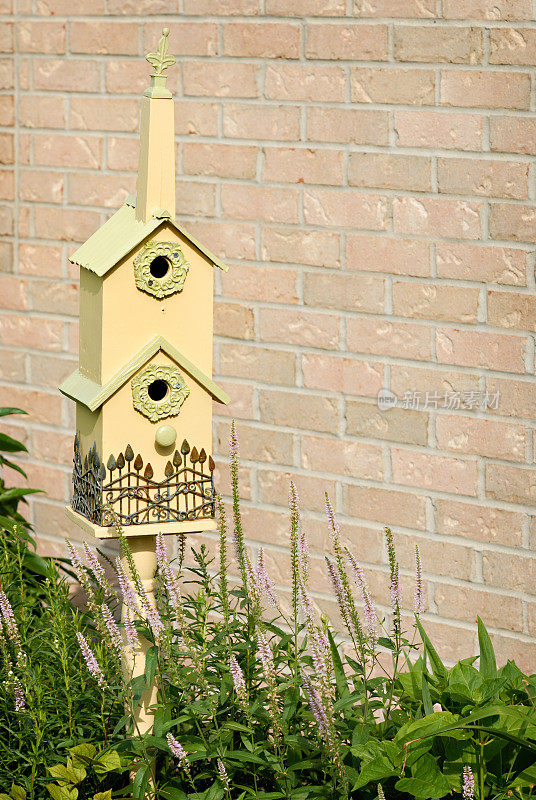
{"x": 159, "y": 60}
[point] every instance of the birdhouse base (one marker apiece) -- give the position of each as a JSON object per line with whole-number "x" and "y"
{"x": 165, "y": 528}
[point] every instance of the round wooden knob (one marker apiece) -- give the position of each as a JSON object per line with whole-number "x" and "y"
{"x": 165, "y": 436}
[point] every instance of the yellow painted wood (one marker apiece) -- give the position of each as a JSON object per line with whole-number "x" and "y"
{"x": 91, "y": 296}
{"x": 156, "y": 169}
{"x": 100, "y": 532}
{"x": 92, "y": 395}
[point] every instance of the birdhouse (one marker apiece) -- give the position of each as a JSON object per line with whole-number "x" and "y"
{"x": 144, "y": 388}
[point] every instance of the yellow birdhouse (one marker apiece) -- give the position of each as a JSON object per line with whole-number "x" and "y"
{"x": 144, "y": 390}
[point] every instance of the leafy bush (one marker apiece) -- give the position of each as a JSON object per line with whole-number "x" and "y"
{"x": 254, "y": 703}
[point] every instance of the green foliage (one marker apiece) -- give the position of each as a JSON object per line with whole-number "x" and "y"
{"x": 257, "y": 697}
{"x": 11, "y": 498}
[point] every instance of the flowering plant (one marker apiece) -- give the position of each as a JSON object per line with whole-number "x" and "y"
{"x": 256, "y": 699}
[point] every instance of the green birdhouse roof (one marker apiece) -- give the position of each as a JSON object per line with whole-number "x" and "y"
{"x": 122, "y": 233}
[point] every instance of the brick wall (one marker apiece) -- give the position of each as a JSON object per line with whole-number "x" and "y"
{"x": 367, "y": 169}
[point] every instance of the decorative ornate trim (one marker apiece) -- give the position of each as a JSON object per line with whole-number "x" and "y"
{"x": 171, "y": 404}
{"x": 173, "y": 280}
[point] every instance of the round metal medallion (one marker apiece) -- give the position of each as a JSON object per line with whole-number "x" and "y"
{"x": 160, "y": 269}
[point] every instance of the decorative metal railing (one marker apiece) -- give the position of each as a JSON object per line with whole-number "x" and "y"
{"x": 121, "y": 492}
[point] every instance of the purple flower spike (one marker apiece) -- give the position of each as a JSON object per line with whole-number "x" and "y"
{"x": 127, "y": 590}
{"x": 20, "y": 700}
{"x": 468, "y": 786}
{"x": 96, "y": 566}
{"x": 418, "y": 598}
{"x": 238, "y": 678}
{"x": 113, "y": 630}
{"x": 91, "y": 662}
{"x": 222, "y": 774}
{"x": 177, "y": 749}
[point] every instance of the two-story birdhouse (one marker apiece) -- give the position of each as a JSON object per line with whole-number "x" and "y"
{"x": 143, "y": 389}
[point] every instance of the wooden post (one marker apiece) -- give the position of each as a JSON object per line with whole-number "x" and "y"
{"x": 143, "y": 549}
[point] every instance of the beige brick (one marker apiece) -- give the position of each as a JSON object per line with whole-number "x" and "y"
{"x": 266, "y": 40}
{"x": 432, "y": 381}
{"x": 353, "y": 459}
{"x": 475, "y": 349}
{"x": 431, "y": 471}
{"x": 300, "y": 246}
{"x": 64, "y": 223}
{"x": 64, "y": 8}
{"x": 437, "y": 557}
{"x": 126, "y": 76}
{"x": 221, "y": 7}
{"x": 196, "y": 117}
{"x": 104, "y": 113}
{"x": 384, "y": 338}
{"x": 189, "y": 38}
{"x": 223, "y": 160}
{"x": 396, "y": 425}
{"x": 14, "y": 293}
{"x": 6, "y": 37}
{"x": 240, "y": 407}
{"x": 7, "y": 75}
{"x": 514, "y": 648}
{"x": 82, "y": 76}
{"x": 512, "y": 484}
{"x": 481, "y": 437}
{"x": 301, "y": 8}
{"x": 53, "y": 481}
{"x": 481, "y": 523}
{"x": 338, "y": 374}
{"x": 384, "y": 254}
{"x": 437, "y": 216}
{"x": 41, "y": 37}
{"x": 274, "y": 488}
{"x": 233, "y": 320}
{"x": 516, "y": 398}
{"x": 104, "y": 37}
{"x": 12, "y": 366}
{"x": 257, "y": 363}
{"x": 386, "y": 171}
{"x": 514, "y": 571}
{"x": 6, "y": 256}
{"x": 342, "y": 291}
{"x": 250, "y": 121}
{"x": 433, "y": 129}
{"x": 40, "y": 111}
{"x": 480, "y": 263}
{"x": 40, "y": 259}
{"x": 41, "y": 186}
{"x": 220, "y": 79}
{"x": 349, "y": 42}
{"x": 7, "y": 149}
{"x": 453, "y": 45}
{"x": 487, "y": 9}
{"x": 466, "y": 602}
{"x": 347, "y": 125}
{"x": 513, "y": 134}
{"x": 68, "y": 151}
{"x": 122, "y": 153}
{"x": 86, "y": 189}
{"x": 305, "y": 82}
{"x": 512, "y": 222}
{"x": 414, "y": 87}
{"x": 7, "y": 110}
{"x": 386, "y": 506}
{"x": 512, "y": 46}
{"x": 488, "y": 89}
{"x": 305, "y": 328}
{"x": 266, "y": 203}
{"x": 395, "y": 8}
{"x": 433, "y": 301}
{"x": 300, "y": 165}
{"x": 486, "y": 178}
{"x": 258, "y": 283}
{"x": 309, "y": 411}
{"x": 227, "y": 239}
{"x": 258, "y": 444}
{"x": 41, "y": 406}
{"x": 512, "y": 310}
{"x": 49, "y": 296}
{"x": 51, "y": 446}
{"x": 330, "y": 207}
{"x": 141, "y": 7}
{"x": 50, "y": 370}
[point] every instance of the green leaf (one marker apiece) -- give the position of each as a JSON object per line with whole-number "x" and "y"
{"x": 216, "y": 792}
{"x": 438, "y": 668}
{"x": 82, "y": 754}
{"x": 340, "y": 677}
{"x": 173, "y": 794}
{"x": 107, "y": 762}
{"x": 488, "y": 664}
{"x": 427, "y": 781}
{"x": 376, "y": 770}
{"x": 10, "y": 445}
{"x": 18, "y": 792}
{"x": 141, "y": 780}
{"x": 6, "y": 410}
{"x": 13, "y": 494}
{"x": 426, "y": 699}
{"x": 151, "y": 663}
{"x": 62, "y": 792}
{"x": 107, "y": 795}
{"x": 5, "y": 796}
{"x": 69, "y": 773}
